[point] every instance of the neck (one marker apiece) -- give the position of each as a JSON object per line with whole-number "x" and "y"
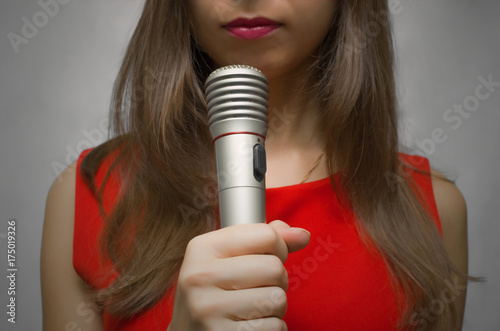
{"x": 294, "y": 141}
{"x": 294, "y": 120}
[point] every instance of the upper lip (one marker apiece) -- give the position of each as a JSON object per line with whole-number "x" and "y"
{"x": 250, "y": 22}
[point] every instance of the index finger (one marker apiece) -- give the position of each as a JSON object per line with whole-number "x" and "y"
{"x": 244, "y": 239}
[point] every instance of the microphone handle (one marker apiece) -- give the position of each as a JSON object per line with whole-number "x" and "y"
{"x": 241, "y": 167}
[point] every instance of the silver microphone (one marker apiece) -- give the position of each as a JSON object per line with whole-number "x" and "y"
{"x": 237, "y": 112}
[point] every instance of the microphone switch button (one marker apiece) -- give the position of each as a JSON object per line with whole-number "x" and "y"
{"x": 259, "y": 162}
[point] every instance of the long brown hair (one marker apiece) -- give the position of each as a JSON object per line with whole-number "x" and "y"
{"x": 165, "y": 157}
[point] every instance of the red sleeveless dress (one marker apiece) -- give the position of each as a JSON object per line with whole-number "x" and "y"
{"x": 335, "y": 283}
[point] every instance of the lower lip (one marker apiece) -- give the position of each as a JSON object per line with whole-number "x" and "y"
{"x": 253, "y": 32}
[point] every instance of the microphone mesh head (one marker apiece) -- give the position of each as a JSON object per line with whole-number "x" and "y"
{"x": 235, "y": 66}
{"x": 236, "y": 91}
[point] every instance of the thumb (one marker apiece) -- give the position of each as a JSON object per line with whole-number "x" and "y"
{"x": 295, "y": 238}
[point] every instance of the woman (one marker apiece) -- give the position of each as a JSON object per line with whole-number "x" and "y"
{"x": 370, "y": 239}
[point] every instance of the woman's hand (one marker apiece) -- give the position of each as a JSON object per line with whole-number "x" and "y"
{"x": 234, "y": 278}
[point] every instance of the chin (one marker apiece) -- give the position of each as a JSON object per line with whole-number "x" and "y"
{"x": 269, "y": 69}
{"x": 272, "y": 65}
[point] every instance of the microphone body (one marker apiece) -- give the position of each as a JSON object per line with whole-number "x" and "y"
{"x": 237, "y": 111}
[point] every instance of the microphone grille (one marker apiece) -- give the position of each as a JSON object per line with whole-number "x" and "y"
{"x": 234, "y": 66}
{"x": 236, "y": 91}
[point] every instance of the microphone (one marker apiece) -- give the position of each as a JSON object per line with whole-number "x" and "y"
{"x": 237, "y": 114}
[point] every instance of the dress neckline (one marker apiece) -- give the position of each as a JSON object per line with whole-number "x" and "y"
{"x": 306, "y": 185}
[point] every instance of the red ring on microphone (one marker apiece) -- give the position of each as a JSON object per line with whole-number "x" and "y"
{"x": 238, "y": 132}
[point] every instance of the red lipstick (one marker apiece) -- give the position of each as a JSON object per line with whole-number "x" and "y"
{"x": 254, "y": 28}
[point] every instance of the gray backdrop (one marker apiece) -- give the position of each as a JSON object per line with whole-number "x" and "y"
{"x": 56, "y": 83}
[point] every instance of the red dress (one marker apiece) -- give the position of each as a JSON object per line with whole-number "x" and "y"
{"x": 335, "y": 283}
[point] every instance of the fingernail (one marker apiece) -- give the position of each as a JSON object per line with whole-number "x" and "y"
{"x": 303, "y": 230}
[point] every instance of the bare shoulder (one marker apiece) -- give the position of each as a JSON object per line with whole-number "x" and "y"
{"x": 452, "y": 209}
{"x": 64, "y": 294}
